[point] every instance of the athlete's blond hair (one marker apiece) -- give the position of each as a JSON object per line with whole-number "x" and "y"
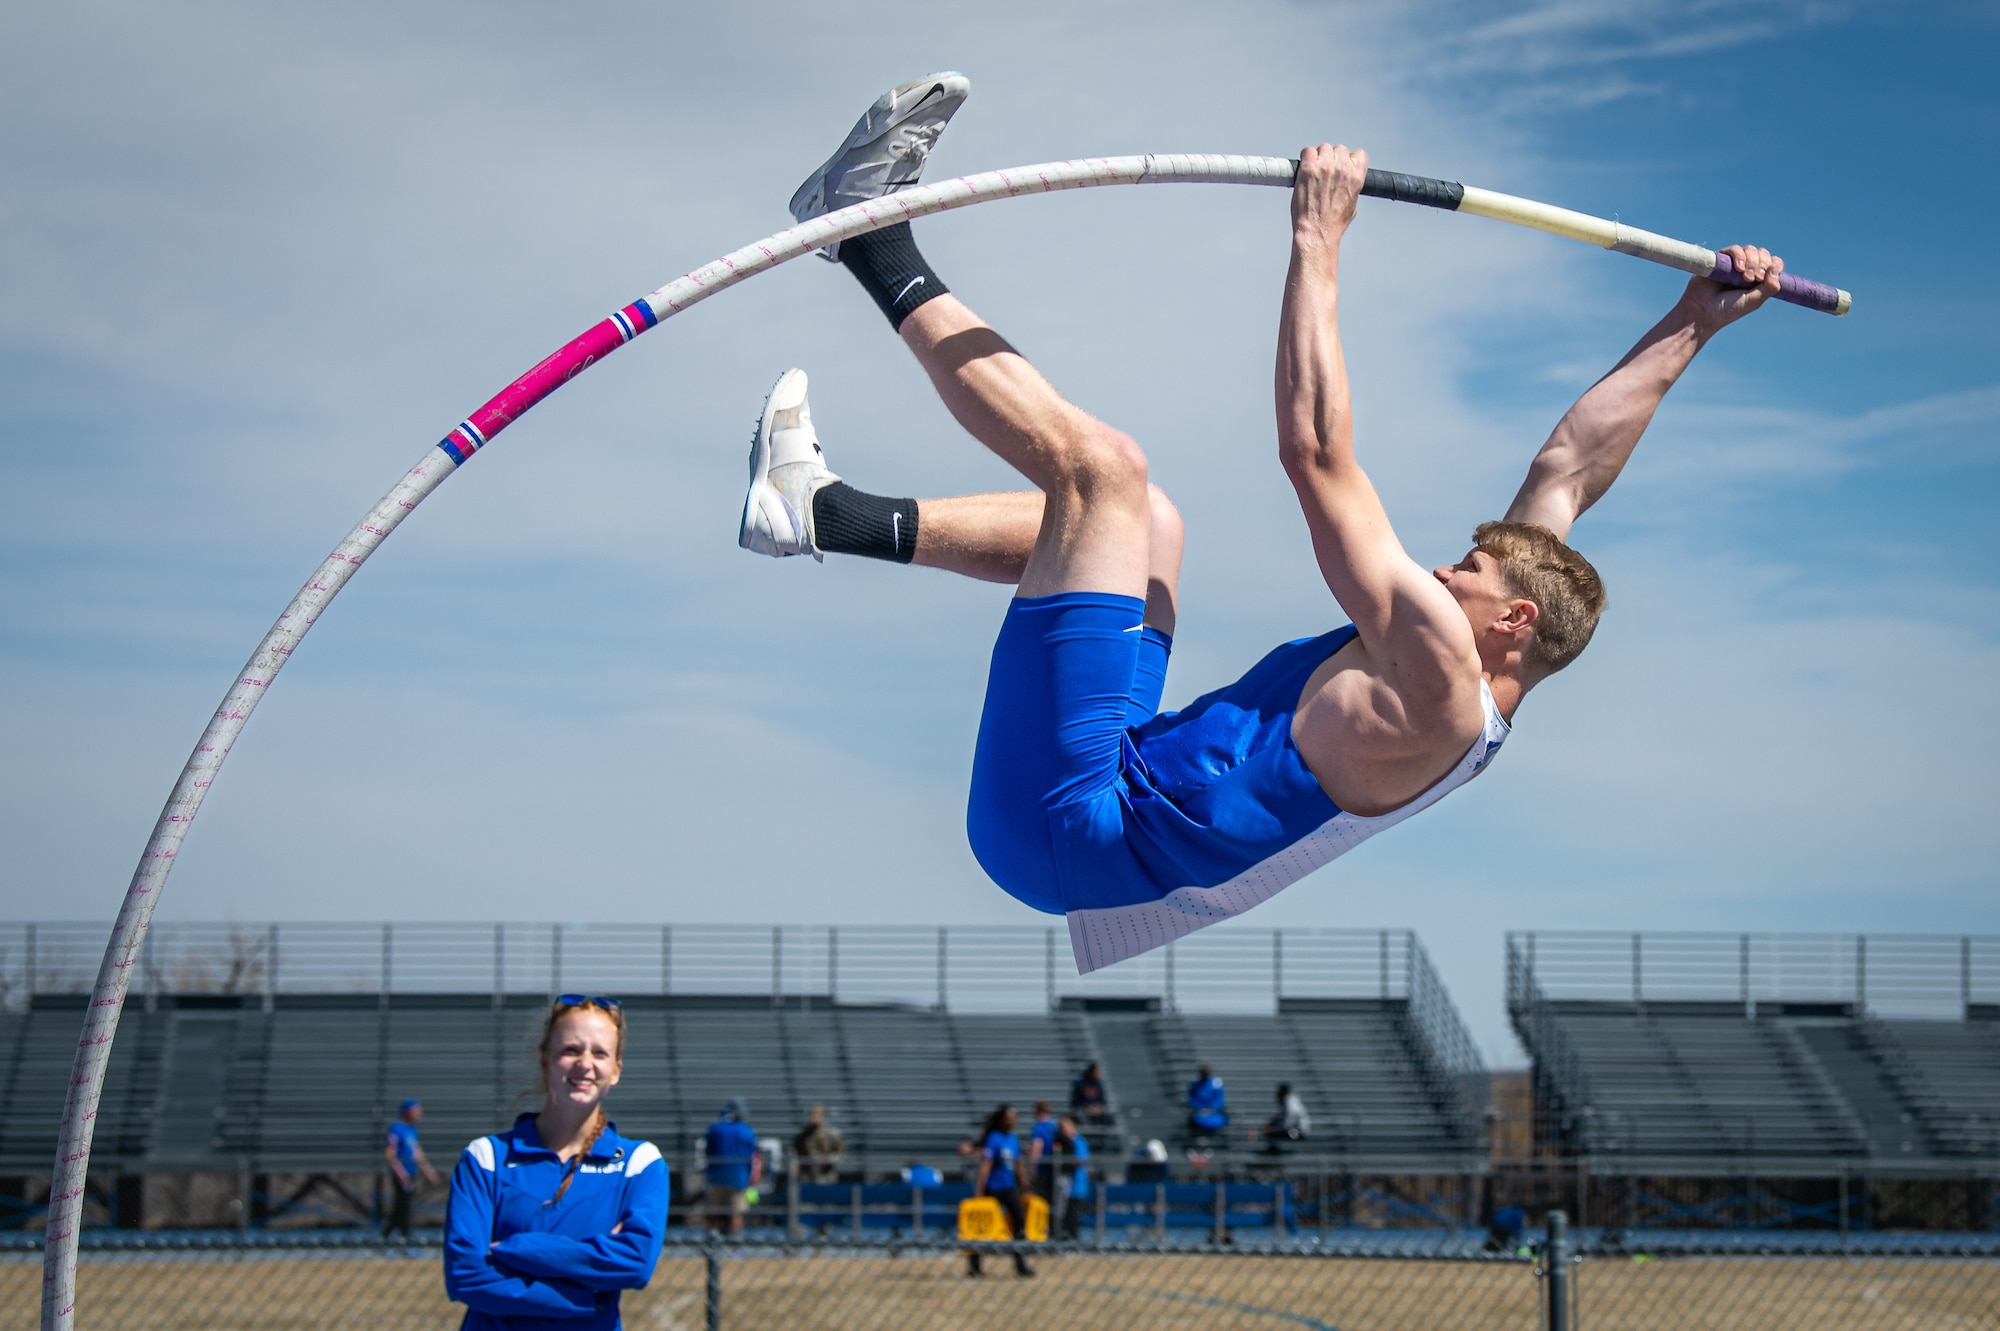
{"x": 1561, "y": 583}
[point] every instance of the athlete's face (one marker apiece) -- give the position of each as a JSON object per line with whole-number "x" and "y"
{"x": 1475, "y": 582}
{"x": 582, "y": 1062}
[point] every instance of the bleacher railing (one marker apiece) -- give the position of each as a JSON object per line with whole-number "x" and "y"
{"x": 1939, "y": 975}
{"x": 970, "y": 969}
{"x": 1557, "y": 1064}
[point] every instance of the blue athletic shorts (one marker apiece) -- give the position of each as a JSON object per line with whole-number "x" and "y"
{"x": 1071, "y": 672}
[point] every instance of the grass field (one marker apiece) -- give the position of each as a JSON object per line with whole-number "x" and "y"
{"x": 852, "y": 1293}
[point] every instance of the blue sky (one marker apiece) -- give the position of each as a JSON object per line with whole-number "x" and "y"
{"x": 257, "y": 260}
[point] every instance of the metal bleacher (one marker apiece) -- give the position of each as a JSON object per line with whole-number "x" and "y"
{"x": 1373, "y": 1091}
{"x": 908, "y": 1038}
{"x": 1796, "y": 1053}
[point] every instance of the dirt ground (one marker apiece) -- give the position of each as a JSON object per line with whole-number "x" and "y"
{"x": 849, "y": 1293}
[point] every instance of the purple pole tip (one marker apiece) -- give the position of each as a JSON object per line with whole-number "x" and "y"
{"x": 1796, "y": 290}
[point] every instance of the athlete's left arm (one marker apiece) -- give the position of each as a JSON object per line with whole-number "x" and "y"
{"x": 622, "y": 1259}
{"x": 1593, "y": 441}
{"x": 1405, "y": 619}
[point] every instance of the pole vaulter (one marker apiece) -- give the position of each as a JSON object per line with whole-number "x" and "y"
{"x": 86, "y": 1083}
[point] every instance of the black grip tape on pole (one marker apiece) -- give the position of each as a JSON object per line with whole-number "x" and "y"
{"x": 1445, "y": 194}
{"x": 1394, "y": 185}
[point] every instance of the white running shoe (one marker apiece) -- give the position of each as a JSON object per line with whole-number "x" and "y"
{"x": 886, "y": 149}
{"x": 787, "y": 468}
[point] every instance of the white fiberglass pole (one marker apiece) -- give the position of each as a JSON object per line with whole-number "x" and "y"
{"x": 86, "y": 1084}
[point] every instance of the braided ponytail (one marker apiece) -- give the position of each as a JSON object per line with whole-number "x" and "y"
{"x": 598, "y": 1123}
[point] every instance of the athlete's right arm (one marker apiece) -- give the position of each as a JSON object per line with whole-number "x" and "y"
{"x": 1595, "y": 438}
{"x": 470, "y": 1275}
{"x": 1404, "y": 616}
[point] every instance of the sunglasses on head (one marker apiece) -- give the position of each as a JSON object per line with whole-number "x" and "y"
{"x": 597, "y": 1000}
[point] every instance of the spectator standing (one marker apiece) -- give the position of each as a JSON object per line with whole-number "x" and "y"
{"x": 1075, "y": 1187}
{"x": 1290, "y": 1124}
{"x": 1208, "y": 1103}
{"x": 999, "y": 1161}
{"x": 817, "y": 1149}
{"x": 407, "y": 1160}
{"x": 1086, "y": 1097}
{"x": 1041, "y": 1145}
{"x": 551, "y": 1219}
{"x": 734, "y": 1167}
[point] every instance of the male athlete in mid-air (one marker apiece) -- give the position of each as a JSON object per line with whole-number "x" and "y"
{"x": 1142, "y": 826}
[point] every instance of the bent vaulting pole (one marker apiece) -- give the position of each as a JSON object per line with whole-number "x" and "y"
{"x": 66, "y": 1192}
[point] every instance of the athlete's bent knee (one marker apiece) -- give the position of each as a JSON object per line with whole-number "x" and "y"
{"x": 1104, "y": 462}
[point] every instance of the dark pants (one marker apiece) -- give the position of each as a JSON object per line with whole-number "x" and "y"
{"x": 399, "y": 1211}
{"x": 1072, "y": 1214}
{"x": 1015, "y": 1208}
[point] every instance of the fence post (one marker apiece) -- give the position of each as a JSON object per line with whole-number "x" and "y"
{"x": 1100, "y": 1189}
{"x": 1277, "y": 970}
{"x": 1843, "y": 1207}
{"x": 388, "y": 954}
{"x": 941, "y": 972}
{"x": 29, "y": 956}
{"x": 499, "y": 966}
{"x": 833, "y": 965}
{"x": 1049, "y": 967}
{"x": 1555, "y": 1267}
{"x": 917, "y": 1213}
{"x": 246, "y": 1196}
{"x": 555, "y": 961}
{"x": 1172, "y": 1005}
{"x": 854, "y": 1206}
{"x": 777, "y": 965}
{"x": 270, "y": 967}
{"x": 1638, "y": 972}
{"x": 1221, "y": 1211}
{"x": 1743, "y": 975}
{"x": 1861, "y": 973}
{"x": 1382, "y": 965}
{"x": 666, "y": 960}
{"x": 794, "y": 1231}
{"x": 712, "y": 1258}
{"x": 1965, "y": 975}
{"x": 1160, "y": 1213}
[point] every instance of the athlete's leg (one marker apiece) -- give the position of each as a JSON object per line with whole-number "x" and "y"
{"x": 992, "y": 536}
{"x": 797, "y": 505}
{"x": 1095, "y": 532}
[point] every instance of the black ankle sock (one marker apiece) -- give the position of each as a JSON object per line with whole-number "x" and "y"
{"x": 889, "y": 268}
{"x": 847, "y": 521}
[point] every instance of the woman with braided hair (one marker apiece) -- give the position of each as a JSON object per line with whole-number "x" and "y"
{"x": 549, "y": 1220}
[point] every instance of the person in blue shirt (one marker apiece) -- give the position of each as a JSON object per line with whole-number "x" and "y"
{"x": 998, "y": 1178}
{"x": 406, "y": 1158}
{"x": 549, "y": 1220}
{"x": 1041, "y": 1145}
{"x": 734, "y": 1166}
{"x": 1208, "y": 1104}
{"x": 1076, "y": 1190}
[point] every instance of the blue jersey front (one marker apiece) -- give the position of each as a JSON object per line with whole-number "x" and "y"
{"x": 522, "y": 1258}
{"x": 1000, "y": 1150}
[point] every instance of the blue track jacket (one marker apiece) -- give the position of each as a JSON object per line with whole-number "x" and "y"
{"x": 518, "y": 1263}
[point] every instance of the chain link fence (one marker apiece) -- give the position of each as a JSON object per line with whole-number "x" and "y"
{"x": 1385, "y": 1281}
